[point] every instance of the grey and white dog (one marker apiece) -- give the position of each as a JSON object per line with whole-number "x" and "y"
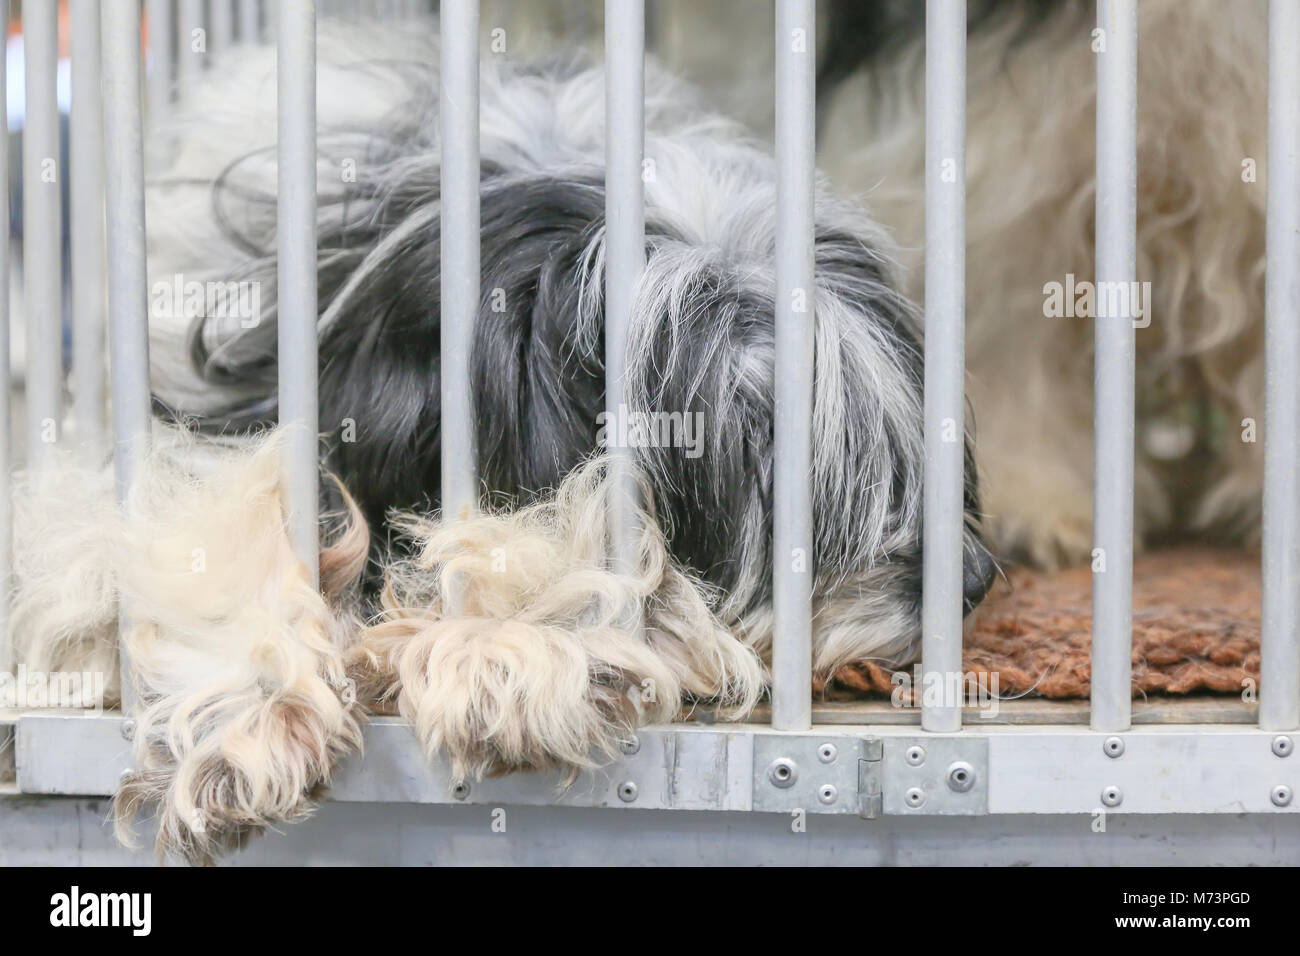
{"x": 520, "y": 661}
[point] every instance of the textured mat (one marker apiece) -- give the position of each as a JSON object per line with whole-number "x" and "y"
{"x": 1195, "y": 629}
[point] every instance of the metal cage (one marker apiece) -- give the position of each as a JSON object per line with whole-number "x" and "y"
{"x": 808, "y": 760}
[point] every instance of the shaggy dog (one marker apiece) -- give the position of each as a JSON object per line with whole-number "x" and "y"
{"x": 1030, "y": 187}
{"x": 504, "y": 636}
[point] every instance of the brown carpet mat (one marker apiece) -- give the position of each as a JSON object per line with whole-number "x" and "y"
{"x": 1195, "y": 629}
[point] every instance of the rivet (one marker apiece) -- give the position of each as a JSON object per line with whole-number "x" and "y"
{"x": 827, "y": 752}
{"x": 128, "y": 729}
{"x": 1282, "y": 745}
{"x": 827, "y": 794}
{"x": 460, "y": 791}
{"x": 961, "y": 776}
{"x": 631, "y": 745}
{"x": 1112, "y": 796}
{"x": 125, "y": 775}
{"x": 915, "y": 755}
{"x": 1113, "y": 747}
{"x": 783, "y": 772}
{"x": 627, "y": 791}
{"x": 915, "y": 796}
{"x": 1281, "y": 795}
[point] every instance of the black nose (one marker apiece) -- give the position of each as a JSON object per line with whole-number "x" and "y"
{"x": 978, "y": 572}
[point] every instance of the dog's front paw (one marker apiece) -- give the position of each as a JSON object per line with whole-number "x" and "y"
{"x": 502, "y": 695}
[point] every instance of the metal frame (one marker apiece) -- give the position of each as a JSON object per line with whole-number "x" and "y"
{"x": 885, "y": 769}
{"x": 871, "y": 771}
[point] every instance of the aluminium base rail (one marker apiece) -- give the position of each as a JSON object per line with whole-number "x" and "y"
{"x": 868, "y": 771}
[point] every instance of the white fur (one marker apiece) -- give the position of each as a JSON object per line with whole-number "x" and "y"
{"x": 509, "y": 645}
{"x": 237, "y": 658}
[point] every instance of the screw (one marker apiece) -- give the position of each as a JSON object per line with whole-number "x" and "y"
{"x": 1112, "y": 796}
{"x": 1113, "y": 747}
{"x": 128, "y": 729}
{"x": 915, "y": 796}
{"x": 827, "y": 752}
{"x": 783, "y": 773}
{"x": 631, "y": 745}
{"x": 961, "y": 777}
{"x": 124, "y": 776}
{"x": 460, "y": 791}
{"x": 1281, "y": 795}
{"x": 627, "y": 791}
{"x": 915, "y": 755}
{"x": 827, "y": 794}
{"x": 1282, "y": 745}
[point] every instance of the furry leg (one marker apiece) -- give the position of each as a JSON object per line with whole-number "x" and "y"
{"x": 64, "y": 616}
{"x": 505, "y": 640}
{"x": 238, "y": 658}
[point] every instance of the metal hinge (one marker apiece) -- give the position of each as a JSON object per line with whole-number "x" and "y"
{"x": 871, "y": 795}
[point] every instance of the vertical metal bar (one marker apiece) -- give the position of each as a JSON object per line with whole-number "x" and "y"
{"x": 624, "y": 246}
{"x": 127, "y": 275}
{"x": 250, "y": 22}
{"x": 296, "y": 236}
{"x": 192, "y": 41}
{"x": 792, "y": 534}
{"x": 221, "y": 19}
{"x": 945, "y": 362}
{"x": 160, "y": 64}
{"x": 1114, "y": 342}
{"x": 87, "y": 226}
{"x": 1279, "y": 659}
{"x": 460, "y": 250}
{"x": 42, "y": 235}
{"x": 6, "y": 385}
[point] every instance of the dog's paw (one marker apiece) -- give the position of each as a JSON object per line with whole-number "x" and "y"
{"x": 235, "y": 656}
{"x": 502, "y": 695}
{"x": 509, "y": 645}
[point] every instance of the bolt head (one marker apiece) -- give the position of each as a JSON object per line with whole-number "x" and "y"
{"x": 1113, "y": 746}
{"x": 827, "y": 794}
{"x": 827, "y": 753}
{"x": 961, "y": 776}
{"x": 128, "y": 729}
{"x": 460, "y": 791}
{"x": 915, "y": 755}
{"x": 1283, "y": 745}
{"x": 914, "y": 797}
{"x": 630, "y": 745}
{"x": 782, "y": 773}
{"x": 1112, "y": 796}
{"x": 1281, "y": 795}
{"x": 627, "y": 791}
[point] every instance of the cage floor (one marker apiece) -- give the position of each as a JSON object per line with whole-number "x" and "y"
{"x": 1195, "y": 632}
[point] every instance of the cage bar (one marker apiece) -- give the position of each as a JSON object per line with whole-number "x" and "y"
{"x": 1279, "y": 663}
{"x": 459, "y": 239}
{"x": 945, "y": 361}
{"x": 6, "y": 383}
{"x": 296, "y": 280}
{"x": 221, "y": 20}
{"x": 191, "y": 41}
{"x": 792, "y": 531}
{"x": 87, "y": 227}
{"x": 161, "y": 63}
{"x": 624, "y": 246}
{"x": 127, "y": 269}
{"x": 42, "y": 235}
{"x": 250, "y": 21}
{"x": 1114, "y": 344}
